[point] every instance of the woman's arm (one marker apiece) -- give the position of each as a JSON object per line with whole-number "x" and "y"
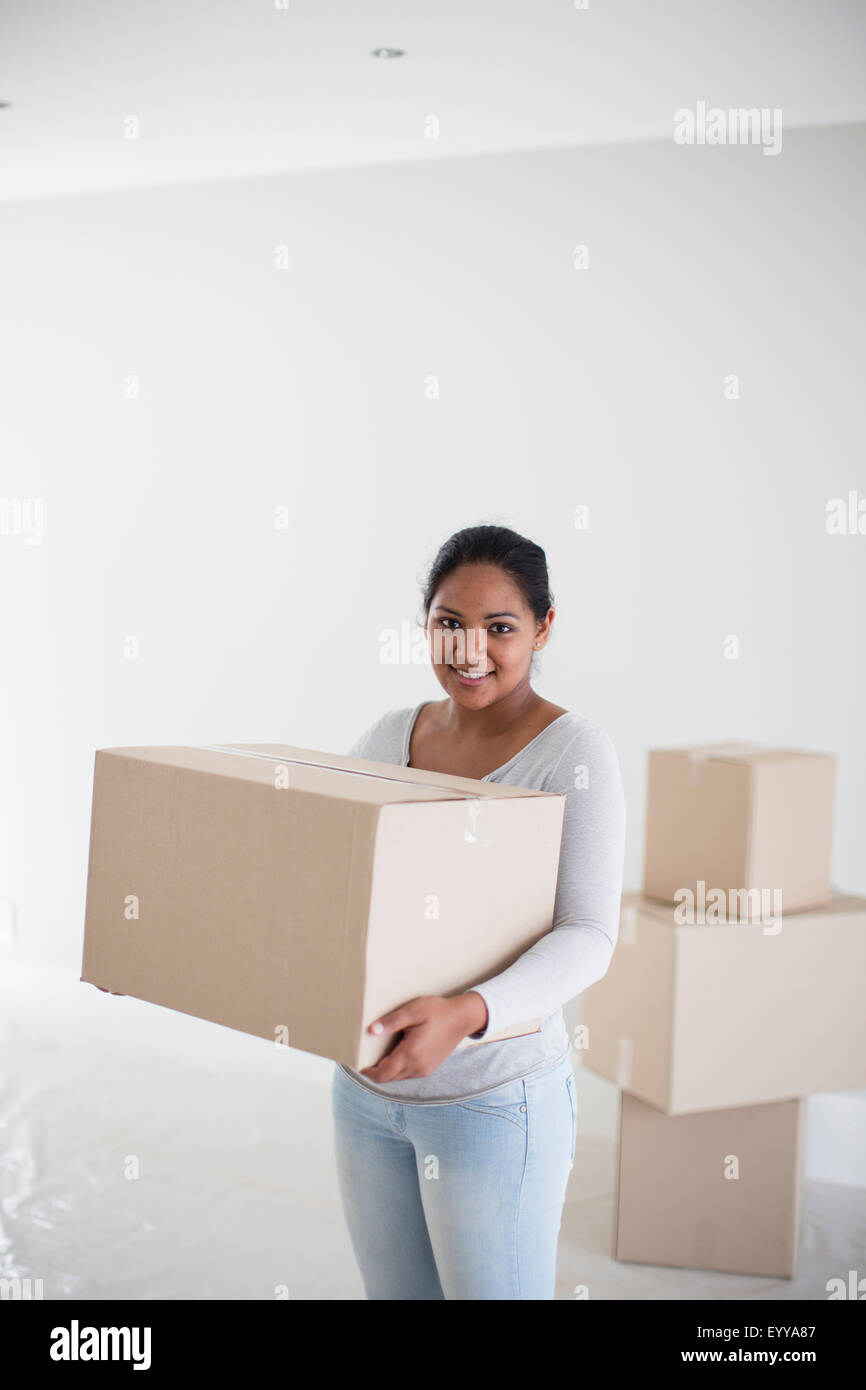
{"x": 578, "y": 950}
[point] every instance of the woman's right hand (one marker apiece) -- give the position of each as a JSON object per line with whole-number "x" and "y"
{"x": 111, "y": 991}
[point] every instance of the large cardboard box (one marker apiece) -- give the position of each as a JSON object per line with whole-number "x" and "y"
{"x": 297, "y": 895}
{"x": 717, "y": 1190}
{"x": 740, "y": 816}
{"x": 702, "y": 1017}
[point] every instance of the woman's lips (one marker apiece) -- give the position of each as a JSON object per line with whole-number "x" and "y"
{"x": 471, "y": 683}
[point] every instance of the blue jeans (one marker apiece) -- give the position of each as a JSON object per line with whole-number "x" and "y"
{"x": 460, "y": 1199}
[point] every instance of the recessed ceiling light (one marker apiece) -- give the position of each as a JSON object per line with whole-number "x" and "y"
{"x": 388, "y": 52}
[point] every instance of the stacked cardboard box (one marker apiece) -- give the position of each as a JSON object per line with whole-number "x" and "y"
{"x": 735, "y": 991}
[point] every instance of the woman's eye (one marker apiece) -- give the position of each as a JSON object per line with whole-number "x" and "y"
{"x": 505, "y": 626}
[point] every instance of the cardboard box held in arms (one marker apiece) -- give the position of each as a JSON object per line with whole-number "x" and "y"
{"x": 298, "y": 895}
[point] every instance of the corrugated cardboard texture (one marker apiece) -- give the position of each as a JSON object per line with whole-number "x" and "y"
{"x": 218, "y": 892}
{"x": 224, "y": 916}
{"x": 718, "y": 1190}
{"x": 433, "y": 909}
{"x": 723, "y": 1015}
{"x": 740, "y": 817}
{"x": 791, "y": 834}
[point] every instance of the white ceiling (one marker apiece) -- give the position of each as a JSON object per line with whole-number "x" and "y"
{"x": 228, "y": 88}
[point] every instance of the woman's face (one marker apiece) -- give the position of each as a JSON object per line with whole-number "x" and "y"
{"x": 492, "y": 631}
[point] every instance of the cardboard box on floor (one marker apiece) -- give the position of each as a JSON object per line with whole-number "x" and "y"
{"x": 740, "y": 816}
{"x": 716, "y": 1190}
{"x": 702, "y": 1017}
{"x": 298, "y": 895}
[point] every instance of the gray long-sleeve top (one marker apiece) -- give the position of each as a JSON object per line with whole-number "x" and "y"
{"x": 572, "y": 756}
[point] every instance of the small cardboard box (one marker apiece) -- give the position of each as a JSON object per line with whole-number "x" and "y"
{"x": 717, "y": 1190}
{"x": 740, "y": 816}
{"x": 298, "y": 895}
{"x": 702, "y": 1017}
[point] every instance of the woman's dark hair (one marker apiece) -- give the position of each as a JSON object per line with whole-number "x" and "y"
{"x": 523, "y": 560}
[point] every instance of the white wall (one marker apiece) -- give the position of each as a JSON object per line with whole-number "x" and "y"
{"x": 306, "y": 386}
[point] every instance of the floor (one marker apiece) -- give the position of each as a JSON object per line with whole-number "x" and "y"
{"x": 147, "y": 1155}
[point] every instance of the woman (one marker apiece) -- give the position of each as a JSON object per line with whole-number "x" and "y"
{"x": 453, "y": 1165}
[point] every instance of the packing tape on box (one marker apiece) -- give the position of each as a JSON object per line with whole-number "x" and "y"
{"x": 698, "y": 756}
{"x": 628, "y": 926}
{"x": 624, "y": 1061}
{"x": 308, "y": 762}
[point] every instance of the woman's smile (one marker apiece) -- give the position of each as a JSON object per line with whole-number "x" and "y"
{"x": 466, "y": 679}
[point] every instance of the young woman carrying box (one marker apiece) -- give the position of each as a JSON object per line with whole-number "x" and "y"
{"x": 453, "y": 1164}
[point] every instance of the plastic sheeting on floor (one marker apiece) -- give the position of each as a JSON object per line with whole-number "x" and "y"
{"x": 145, "y": 1155}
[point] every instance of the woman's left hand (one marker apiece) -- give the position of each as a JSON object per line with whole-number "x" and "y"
{"x": 432, "y": 1027}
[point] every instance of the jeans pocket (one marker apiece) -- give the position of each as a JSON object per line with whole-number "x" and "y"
{"x": 572, "y": 1096}
{"x": 508, "y": 1100}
